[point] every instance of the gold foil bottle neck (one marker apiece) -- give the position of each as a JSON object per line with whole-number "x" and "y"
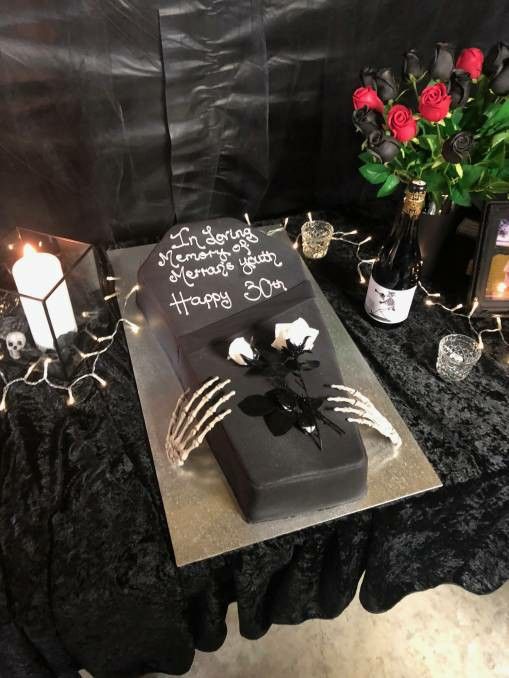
{"x": 414, "y": 199}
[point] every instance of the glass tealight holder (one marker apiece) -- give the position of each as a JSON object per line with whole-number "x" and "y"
{"x": 457, "y": 355}
{"x": 52, "y": 303}
{"x": 316, "y": 238}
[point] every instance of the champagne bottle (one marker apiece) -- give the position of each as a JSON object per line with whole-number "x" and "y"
{"x": 397, "y": 270}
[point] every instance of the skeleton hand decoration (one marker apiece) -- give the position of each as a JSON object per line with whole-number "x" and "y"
{"x": 366, "y": 412}
{"x": 187, "y": 430}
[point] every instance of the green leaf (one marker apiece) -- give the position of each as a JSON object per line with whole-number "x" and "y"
{"x": 471, "y": 174}
{"x": 499, "y": 186}
{"x": 430, "y": 142}
{"x": 495, "y": 157}
{"x": 375, "y": 173}
{"x": 456, "y": 116}
{"x": 498, "y": 119}
{"x": 500, "y": 137}
{"x": 436, "y": 181}
{"x": 459, "y": 169}
{"x": 388, "y": 187}
{"x": 366, "y": 157}
{"x": 460, "y": 197}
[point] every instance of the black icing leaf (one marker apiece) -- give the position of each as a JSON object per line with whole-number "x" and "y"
{"x": 285, "y": 398}
{"x": 307, "y": 421}
{"x": 257, "y": 405}
{"x": 307, "y": 365}
{"x": 280, "y": 422}
{"x": 315, "y": 403}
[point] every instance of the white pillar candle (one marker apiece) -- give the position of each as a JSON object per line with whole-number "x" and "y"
{"x": 35, "y": 274}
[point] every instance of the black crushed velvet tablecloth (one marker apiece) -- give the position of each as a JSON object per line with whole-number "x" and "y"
{"x": 87, "y": 577}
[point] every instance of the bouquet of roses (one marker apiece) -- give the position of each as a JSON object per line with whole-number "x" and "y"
{"x": 456, "y": 138}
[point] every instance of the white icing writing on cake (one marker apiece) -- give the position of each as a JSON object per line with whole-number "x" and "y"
{"x": 263, "y": 289}
{"x": 189, "y": 276}
{"x": 182, "y": 241}
{"x": 249, "y": 264}
{"x": 211, "y": 300}
{"x": 220, "y": 238}
{"x": 207, "y": 254}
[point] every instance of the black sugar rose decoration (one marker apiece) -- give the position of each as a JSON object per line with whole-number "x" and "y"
{"x": 458, "y": 148}
{"x": 285, "y": 406}
{"x": 282, "y": 409}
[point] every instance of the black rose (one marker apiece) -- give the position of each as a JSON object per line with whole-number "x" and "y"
{"x": 500, "y": 83}
{"x": 368, "y": 77}
{"x": 383, "y": 147}
{"x": 458, "y": 147}
{"x": 443, "y": 62}
{"x": 412, "y": 65}
{"x": 459, "y": 88}
{"x": 495, "y": 59}
{"x": 366, "y": 120}
{"x": 386, "y": 84}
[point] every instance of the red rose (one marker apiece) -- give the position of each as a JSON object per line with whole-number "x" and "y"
{"x": 366, "y": 96}
{"x": 401, "y": 123}
{"x": 471, "y": 60}
{"x": 434, "y": 102}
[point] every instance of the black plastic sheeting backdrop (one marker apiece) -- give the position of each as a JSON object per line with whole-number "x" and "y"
{"x": 258, "y": 104}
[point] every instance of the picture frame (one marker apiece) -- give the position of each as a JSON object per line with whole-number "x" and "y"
{"x": 490, "y": 275}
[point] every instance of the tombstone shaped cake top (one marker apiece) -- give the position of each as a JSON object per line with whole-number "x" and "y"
{"x": 205, "y": 272}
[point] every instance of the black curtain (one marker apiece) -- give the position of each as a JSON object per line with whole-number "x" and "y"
{"x": 84, "y": 150}
{"x": 258, "y": 93}
{"x": 258, "y": 100}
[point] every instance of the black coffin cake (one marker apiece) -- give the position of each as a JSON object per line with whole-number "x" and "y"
{"x": 208, "y": 283}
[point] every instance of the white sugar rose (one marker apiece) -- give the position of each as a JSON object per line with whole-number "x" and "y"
{"x": 240, "y": 349}
{"x": 296, "y": 332}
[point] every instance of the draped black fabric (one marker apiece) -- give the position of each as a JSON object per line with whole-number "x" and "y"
{"x": 87, "y": 576}
{"x": 83, "y": 143}
{"x": 258, "y": 98}
{"x": 258, "y": 93}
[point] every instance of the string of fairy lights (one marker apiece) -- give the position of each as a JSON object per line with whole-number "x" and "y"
{"x": 105, "y": 342}
{"x": 431, "y": 298}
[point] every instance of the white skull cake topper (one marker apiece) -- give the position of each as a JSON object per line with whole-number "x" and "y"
{"x": 16, "y": 342}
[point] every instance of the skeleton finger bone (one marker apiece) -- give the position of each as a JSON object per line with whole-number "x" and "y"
{"x": 366, "y": 412}
{"x": 198, "y": 441}
{"x": 194, "y": 397}
{"x": 188, "y": 416}
{"x": 208, "y": 413}
{"x": 193, "y": 417}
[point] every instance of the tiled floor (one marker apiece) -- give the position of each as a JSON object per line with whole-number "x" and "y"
{"x": 442, "y": 633}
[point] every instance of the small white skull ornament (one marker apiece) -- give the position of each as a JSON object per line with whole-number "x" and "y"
{"x": 16, "y": 342}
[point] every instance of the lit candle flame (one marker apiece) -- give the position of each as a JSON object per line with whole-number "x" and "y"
{"x": 28, "y": 250}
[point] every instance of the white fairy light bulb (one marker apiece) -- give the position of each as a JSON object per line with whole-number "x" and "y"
{"x": 474, "y": 307}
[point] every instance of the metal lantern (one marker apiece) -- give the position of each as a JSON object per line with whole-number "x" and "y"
{"x": 51, "y": 300}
